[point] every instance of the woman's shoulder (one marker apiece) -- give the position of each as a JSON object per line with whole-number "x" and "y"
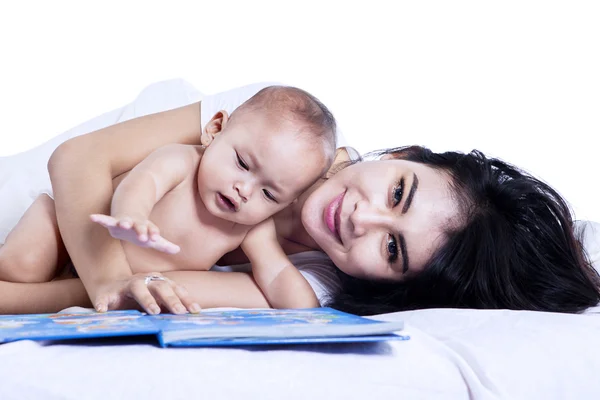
{"x": 316, "y": 267}
{"x": 320, "y": 272}
{"x": 346, "y": 154}
{"x": 343, "y": 157}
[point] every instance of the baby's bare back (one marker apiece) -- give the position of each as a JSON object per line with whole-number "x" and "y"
{"x": 183, "y": 219}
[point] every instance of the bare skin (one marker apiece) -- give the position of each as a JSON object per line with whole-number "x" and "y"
{"x": 374, "y": 213}
{"x": 187, "y": 290}
{"x": 165, "y": 190}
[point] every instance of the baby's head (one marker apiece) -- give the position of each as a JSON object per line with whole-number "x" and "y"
{"x": 263, "y": 156}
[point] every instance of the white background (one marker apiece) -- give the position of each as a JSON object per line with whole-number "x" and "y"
{"x": 516, "y": 79}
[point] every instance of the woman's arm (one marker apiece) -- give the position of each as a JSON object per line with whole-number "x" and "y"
{"x": 207, "y": 288}
{"x": 219, "y": 289}
{"x": 82, "y": 169}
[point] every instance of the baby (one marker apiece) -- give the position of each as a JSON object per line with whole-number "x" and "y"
{"x": 209, "y": 200}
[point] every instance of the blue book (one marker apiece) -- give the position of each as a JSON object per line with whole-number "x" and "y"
{"x": 208, "y": 328}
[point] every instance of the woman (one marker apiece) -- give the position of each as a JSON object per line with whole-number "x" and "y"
{"x": 412, "y": 229}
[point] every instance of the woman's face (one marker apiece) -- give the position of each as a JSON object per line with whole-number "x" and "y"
{"x": 381, "y": 219}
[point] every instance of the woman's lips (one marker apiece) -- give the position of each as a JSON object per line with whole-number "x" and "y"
{"x": 331, "y": 215}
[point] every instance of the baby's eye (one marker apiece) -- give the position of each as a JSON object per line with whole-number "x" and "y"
{"x": 242, "y": 163}
{"x": 269, "y": 195}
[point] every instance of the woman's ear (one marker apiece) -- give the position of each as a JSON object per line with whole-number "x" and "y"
{"x": 214, "y": 127}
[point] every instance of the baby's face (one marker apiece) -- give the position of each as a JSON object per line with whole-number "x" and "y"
{"x": 256, "y": 167}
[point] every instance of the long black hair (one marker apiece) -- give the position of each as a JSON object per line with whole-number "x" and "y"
{"x": 515, "y": 248}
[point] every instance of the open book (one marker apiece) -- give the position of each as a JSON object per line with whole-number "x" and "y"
{"x": 208, "y": 328}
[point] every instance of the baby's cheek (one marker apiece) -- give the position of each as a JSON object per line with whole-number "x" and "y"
{"x": 270, "y": 211}
{"x": 255, "y": 216}
{"x": 201, "y": 178}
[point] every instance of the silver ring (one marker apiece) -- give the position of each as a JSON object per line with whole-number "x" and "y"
{"x": 150, "y": 278}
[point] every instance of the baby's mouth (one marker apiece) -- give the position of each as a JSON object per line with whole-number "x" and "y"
{"x": 228, "y": 202}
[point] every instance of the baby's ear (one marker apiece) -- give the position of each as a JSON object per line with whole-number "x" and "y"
{"x": 214, "y": 127}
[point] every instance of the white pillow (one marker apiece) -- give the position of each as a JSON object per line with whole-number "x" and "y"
{"x": 589, "y": 234}
{"x": 24, "y": 176}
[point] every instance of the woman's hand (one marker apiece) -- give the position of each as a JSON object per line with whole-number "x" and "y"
{"x": 141, "y": 232}
{"x": 150, "y": 291}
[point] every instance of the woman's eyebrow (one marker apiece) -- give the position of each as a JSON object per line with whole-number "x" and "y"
{"x": 411, "y": 194}
{"x": 401, "y": 239}
{"x": 403, "y": 252}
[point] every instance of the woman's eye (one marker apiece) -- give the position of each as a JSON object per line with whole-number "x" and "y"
{"x": 242, "y": 163}
{"x": 269, "y": 195}
{"x": 392, "y": 249}
{"x": 398, "y": 192}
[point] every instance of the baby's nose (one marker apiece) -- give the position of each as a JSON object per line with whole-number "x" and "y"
{"x": 244, "y": 189}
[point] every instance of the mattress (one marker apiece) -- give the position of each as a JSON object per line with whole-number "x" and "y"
{"x": 452, "y": 354}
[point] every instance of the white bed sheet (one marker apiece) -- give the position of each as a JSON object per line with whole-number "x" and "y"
{"x": 452, "y": 354}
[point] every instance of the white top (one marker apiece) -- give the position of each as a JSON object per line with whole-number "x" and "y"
{"x": 315, "y": 266}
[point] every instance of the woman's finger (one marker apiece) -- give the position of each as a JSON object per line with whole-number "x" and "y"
{"x": 101, "y": 304}
{"x": 140, "y": 292}
{"x": 186, "y": 299}
{"x": 163, "y": 291}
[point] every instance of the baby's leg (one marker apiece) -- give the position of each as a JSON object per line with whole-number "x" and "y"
{"x": 33, "y": 249}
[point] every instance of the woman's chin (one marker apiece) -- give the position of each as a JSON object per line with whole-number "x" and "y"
{"x": 312, "y": 220}
{"x": 309, "y": 225}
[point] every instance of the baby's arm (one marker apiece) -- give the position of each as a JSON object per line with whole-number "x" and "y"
{"x": 147, "y": 183}
{"x": 280, "y": 281}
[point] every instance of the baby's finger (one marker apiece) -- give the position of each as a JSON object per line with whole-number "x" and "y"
{"x": 125, "y": 223}
{"x": 141, "y": 294}
{"x": 141, "y": 229}
{"x": 153, "y": 231}
{"x": 163, "y": 291}
{"x": 163, "y": 245}
{"x": 105, "y": 220}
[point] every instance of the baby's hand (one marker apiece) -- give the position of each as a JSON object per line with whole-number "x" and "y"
{"x": 142, "y": 233}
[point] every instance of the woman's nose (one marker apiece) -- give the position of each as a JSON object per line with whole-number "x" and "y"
{"x": 367, "y": 217}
